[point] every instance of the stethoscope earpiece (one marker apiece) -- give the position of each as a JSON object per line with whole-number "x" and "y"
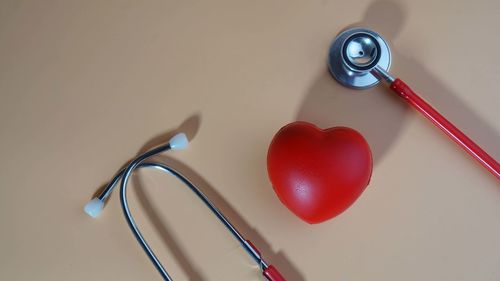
{"x": 94, "y": 207}
{"x": 179, "y": 142}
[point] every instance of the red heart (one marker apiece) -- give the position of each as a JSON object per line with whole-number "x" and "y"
{"x": 318, "y": 173}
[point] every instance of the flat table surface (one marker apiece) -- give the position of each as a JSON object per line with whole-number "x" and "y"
{"x": 86, "y": 85}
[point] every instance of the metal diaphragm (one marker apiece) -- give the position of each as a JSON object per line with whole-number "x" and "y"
{"x": 354, "y": 53}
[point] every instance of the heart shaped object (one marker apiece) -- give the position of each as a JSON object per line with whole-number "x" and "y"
{"x": 316, "y": 173}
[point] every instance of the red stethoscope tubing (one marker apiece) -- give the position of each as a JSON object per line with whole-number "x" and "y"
{"x": 404, "y": 91}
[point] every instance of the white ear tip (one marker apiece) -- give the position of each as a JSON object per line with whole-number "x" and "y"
{"x": 178, "y": 142}
{"x": 94, "y": 207}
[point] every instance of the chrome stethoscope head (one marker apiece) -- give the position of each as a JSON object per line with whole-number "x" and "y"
{"x": 358, "y": 58}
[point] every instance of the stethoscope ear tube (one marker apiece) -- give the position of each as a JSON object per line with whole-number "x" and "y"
{"x": 179, "y": 141}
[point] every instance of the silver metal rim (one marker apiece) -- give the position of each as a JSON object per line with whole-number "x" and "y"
{"x": 345, "y": 75}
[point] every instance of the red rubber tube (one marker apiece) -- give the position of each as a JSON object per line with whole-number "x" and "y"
{"x": 272, "y": 274}
{"x": 446, "y": 126}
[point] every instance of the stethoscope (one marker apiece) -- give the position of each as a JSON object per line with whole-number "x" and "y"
{"x": 359, "y": 58}
{"x": 178, "y": 142}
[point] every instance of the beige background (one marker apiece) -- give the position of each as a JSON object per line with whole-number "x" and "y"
{"x": 85, "y": 85}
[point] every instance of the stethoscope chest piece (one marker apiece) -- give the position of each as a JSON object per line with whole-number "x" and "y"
{"x": 354, "y": 54}
{"x": 359, "y": 58}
